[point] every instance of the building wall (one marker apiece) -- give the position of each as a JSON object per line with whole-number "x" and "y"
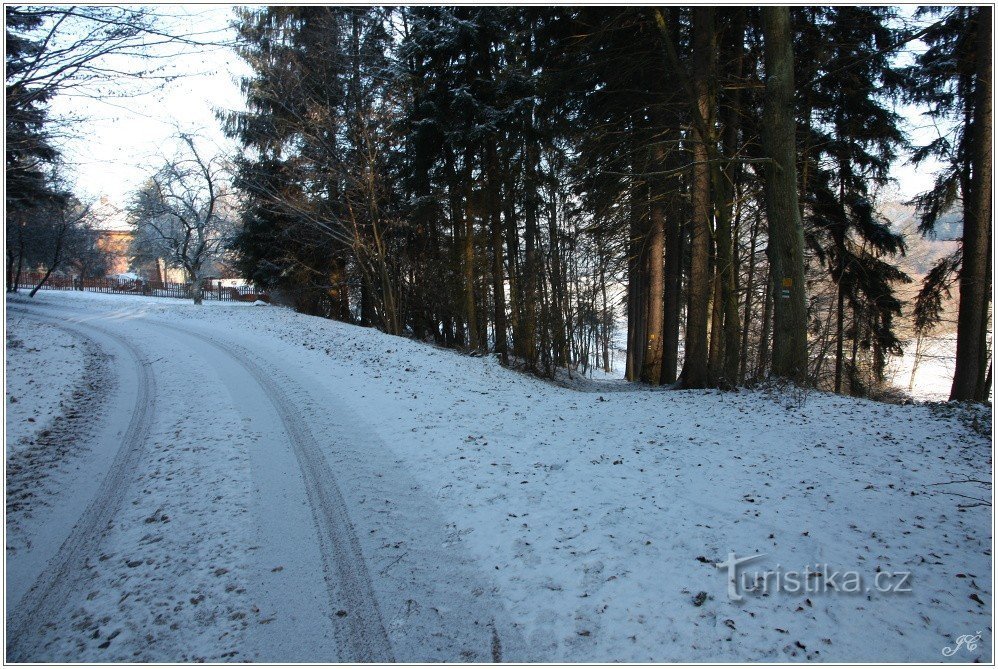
{"x": 115, "y": 243}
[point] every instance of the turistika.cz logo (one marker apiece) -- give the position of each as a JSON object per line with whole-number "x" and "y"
{"x": 814, "y": 579}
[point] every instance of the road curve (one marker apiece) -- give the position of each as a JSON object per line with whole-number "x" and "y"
{"x": 52, "y": 588}
{"x": 431, "y": 601}
{"x": 357, "y": 623}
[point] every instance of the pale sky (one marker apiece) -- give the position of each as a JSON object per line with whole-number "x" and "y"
{"x": 122, "y": 140}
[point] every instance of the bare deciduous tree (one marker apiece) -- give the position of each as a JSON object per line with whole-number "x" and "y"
{"x": 184, "y": 214}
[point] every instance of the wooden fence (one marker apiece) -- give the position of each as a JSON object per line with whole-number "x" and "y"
{"x": 211, "y": 290}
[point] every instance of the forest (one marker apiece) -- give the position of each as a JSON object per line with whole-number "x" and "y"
{"x": 695, "y": 186}
{"x": 527, "y": 181}
{"x": 483, "y": 334}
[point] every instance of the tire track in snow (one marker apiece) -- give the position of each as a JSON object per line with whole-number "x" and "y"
{"x": 357, "y": 626}
{"x": 57, "y": 583}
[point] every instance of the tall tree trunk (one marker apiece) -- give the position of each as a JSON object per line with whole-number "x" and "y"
{"x": 651, "y": 368}
{"x": 786, "y": 230}
{"x": 750, "y": 285}
{"x": 672, "y": 308}
{"x": 498, "y": 276}
{"x": 840, "y": 334}
{"x": 715, "y": 357}
{"x": 637, "y": 269}
{"x": 765, "y": 340}
{"x": 727, "y": 234}
{"x": 606, "y": 321}
{"x": 839, "y": 233}
{"x": 559, "y": 325}
{"x": 452, "y": 287}
{"x": 20, "y": 258}
{"x": 975, "y": 288}
{"x": 695, "y": 363}
{"x": 531, "y": 273}
{"x": 515, "y": 267}
{"x": 366, "y": 300}
{"x": 676, "y": 209}
{"x": 468, "y": 255}
{"x": 10, "y": 269}
{"x": 197, "y": 286}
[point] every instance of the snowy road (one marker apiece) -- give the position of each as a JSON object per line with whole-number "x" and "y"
{"x": 231, "y": 483}
{"x": 225, "y": 482}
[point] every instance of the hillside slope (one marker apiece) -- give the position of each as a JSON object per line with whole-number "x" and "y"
{"x": 597, "y": 516}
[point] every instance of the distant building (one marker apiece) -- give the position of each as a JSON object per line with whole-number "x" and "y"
{"x": 115, "y": 244}
{"x": 114, "y": 237}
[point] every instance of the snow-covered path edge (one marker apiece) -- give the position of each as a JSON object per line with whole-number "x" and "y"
{"x": 636, "y": 486}
{"x": 47, "y": 594}
{"x": 446, "y": 616}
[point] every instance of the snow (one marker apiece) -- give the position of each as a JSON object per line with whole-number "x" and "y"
{"x": 52, "y": 385}
{"x": 34, "y": 391}
{"x": 934, "y": 375}
{"x": 495, "y": 512}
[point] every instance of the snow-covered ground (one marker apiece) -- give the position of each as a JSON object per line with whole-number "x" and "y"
{"x": 933, "y": 376}
{"x": 302, "y": 489}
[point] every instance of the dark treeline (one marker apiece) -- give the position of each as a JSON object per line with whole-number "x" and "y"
{"x": 527, "y": 181}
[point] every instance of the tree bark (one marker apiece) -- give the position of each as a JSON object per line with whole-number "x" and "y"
{"x": 694, "y": 373}
{"x": 20, "y": 258}
{"x": 677, "y": 208}
{"x": 972, "y": 324}
{"x": 531, "y": 272}
{"x": 750, "y": 286}
{"x": 839, "y": 329}
{"x": 196, "y": 286}
{"x": 498, "y": 276}
{"x": 727, "y": 234}
{"x": 468, "y": 256}
{"x": 786, "y": 230}
{"x": 765, "y": 340}
{"x": 672, "y": 298}
{"x": 637, "y": 269}
{"x": 651, "y": 368}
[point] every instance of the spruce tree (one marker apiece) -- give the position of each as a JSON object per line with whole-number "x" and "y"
{"x": 953, "y": 78}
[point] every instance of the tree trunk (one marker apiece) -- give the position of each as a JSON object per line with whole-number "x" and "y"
{"x": 672, "y": 298}
{"x": 676, "y": 210}
{"x": 637, "y": 266}
{"x": 715, "y": 357}
{"x": 695, "y": 363}
{"x": 56, "y": 258}
{"x": 498, "y": 276}
{"x": 196, "y": 286}
{"x": 558, "y": 280}
{"x": 531, "y": 270}
{"x": 767, "y": 322}
{"x": 975, "y": 288}
{"x": 786, "y": 230}
{"x": 651, "y": 368}
{"x": 727, "y": 234}
{"x": 605, "y": 318}
{"x": 840, "y": 334}
{"x": 750, "y": 286}
{"x": 468, "y": 256}
{"x": 515, "y": 268}
{"x": 20, "y": 260}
